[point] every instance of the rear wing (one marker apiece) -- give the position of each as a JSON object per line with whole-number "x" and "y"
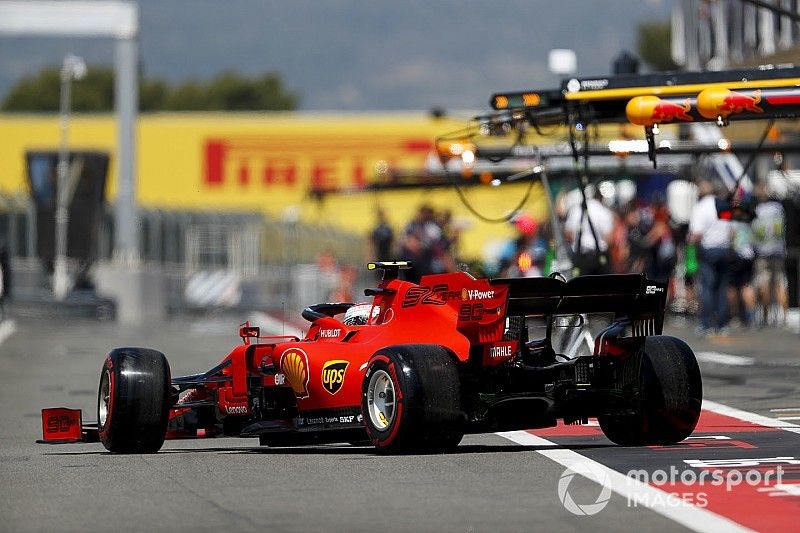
{"x": 628, "y": 296}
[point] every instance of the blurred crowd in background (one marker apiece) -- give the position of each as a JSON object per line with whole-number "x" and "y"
{"x": 721, "y": 270}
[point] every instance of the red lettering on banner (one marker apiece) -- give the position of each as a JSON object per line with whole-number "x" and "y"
{"x": 215, "y": 157}
{"x": 359, "y": 178}
{"x": 244, "y": 173}
{"x": 281, "y": 171}
{"x": 322, "y": 175}
{"x": 416, "y": 145}
{"x": 330, "y": 163}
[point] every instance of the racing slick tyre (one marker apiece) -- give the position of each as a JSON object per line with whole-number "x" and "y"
{"x": 669, "y": 399}
{"x": 411, "y": 399}
{"x": 134, "y": 400}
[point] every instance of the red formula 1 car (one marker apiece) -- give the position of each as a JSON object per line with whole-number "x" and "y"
{"x": 419, "y": 367}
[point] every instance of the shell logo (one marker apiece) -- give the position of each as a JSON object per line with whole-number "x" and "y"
{"x": 294, "y": 365}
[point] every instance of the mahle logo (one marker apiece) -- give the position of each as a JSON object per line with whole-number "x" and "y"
{"x": 333, "y": 373}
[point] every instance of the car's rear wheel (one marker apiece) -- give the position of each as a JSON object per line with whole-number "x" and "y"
{"x": 411, "y": 399}
{"x": 668, "y": 403}
{"x": 134, "y": 400}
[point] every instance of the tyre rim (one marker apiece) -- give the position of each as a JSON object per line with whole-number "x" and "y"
{"x": 381, "y": 400}
{"x": 105, "y": 399}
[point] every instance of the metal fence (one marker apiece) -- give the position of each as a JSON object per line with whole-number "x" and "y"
{"x": 207, "y": 259}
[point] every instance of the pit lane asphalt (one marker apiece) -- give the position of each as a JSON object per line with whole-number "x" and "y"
{"x": 490, "y": 484}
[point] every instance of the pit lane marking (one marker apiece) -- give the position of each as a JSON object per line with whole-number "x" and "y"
{"x": 725, "y": 359}
{"x": 652, "y": 497}
{"x": 655, "y": 499}
{"x": 751, "y": 417}
{"x": 7, "y": 328}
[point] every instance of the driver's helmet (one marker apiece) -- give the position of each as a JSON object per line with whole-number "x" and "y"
{"x": 358, "y": 314}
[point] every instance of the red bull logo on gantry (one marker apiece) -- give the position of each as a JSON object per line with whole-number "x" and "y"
{"x": 649, "y": 110}
{"x": 666, "y": 111}
{"x": 720, "y": 102}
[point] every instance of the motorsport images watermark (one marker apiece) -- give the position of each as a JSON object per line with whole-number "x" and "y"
{"x": 710, "y": 474}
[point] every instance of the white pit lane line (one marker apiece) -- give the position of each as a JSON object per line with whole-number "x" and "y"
{"x": 751, "y": 417}
{"x": 7, "y": 328}
{"x": 655, "y": 499}
{"x": 725, "y": 359}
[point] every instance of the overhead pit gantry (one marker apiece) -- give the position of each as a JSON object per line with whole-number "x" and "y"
{"x": 769, "y": 92}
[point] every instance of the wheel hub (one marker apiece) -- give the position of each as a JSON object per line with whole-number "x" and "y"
{"x": 381, "y": 400}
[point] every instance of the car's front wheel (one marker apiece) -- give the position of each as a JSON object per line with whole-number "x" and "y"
{"x": 134, "y": 400}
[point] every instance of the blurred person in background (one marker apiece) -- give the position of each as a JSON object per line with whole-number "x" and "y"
{"x": 681, "y": 196}
{"x": 423, "y": 244}
{"x": 589, "y": 232}
{"x": 715, "y": 255}
{"x": 620, "y": 246}
{"x": 662, "y": 249}
{"x": 443, "y": 260}
{"x": 769, "y": 236}
{"x": 524, "y": 256}
{"x": 636, "y": 243}
{"x": 328, "y": 274}
{"x": 343, "y": 291}
{"x": 382, "y": 237}
{"x": 5, "y": 271}
{"x": 741, "y": 295}
{"x": 650, "y": 243}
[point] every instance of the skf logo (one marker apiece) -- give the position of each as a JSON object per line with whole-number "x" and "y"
{"x": 476, "y": 295}
{"x": 333, "y": 373}
{"x": 294, "y": 365}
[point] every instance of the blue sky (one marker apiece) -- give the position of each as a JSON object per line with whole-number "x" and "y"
{"x": 377, "y": 54}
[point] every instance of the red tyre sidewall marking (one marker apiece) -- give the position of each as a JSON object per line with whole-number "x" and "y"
{"x": 383, "y": 442}
{"x": 108, "y": 366}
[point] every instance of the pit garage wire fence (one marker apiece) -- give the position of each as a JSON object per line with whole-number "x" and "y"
{"x": 240, "y": 260}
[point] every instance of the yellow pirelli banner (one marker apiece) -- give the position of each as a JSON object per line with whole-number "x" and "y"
{"x": 271, "y": 162}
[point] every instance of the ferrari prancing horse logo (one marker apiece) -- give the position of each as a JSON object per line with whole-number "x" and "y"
{"x": 333, "y": 373}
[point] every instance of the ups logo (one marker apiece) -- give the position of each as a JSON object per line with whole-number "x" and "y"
{"x": 333, "y": 375}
